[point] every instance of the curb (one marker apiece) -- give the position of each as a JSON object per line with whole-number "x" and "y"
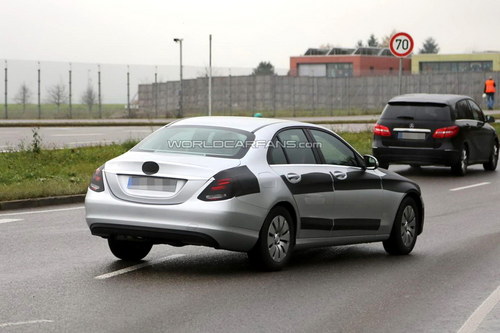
{"x": 40, "y": 202}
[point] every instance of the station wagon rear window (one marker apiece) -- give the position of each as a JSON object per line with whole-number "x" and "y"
{"x": 417, "y": 111}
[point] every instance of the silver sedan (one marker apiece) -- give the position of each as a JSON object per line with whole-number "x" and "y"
{"x": 255, "y": 185}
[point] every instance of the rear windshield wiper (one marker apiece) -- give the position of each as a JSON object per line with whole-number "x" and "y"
{"x": 405, "y": 117}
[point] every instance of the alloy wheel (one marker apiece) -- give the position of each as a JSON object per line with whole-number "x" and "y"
{"x": 278, "y": 238}
{"x": 408, "y": 225}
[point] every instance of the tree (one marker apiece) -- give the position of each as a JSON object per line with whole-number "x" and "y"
{"x": 23, "y": 95}
{"x": 372, "y": 41}
{"x": 89, "y": 97}
{"x": 359, "y": 44}
{"x": 57, "y": 95}
{"x": 387, "y": 39}
{"x": 430, "y": 46}
{"x": 264, "y": 68}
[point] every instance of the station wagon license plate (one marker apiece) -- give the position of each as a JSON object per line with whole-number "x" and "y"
{"x": 411, "y": 136}
{"x": 151, "y": 184}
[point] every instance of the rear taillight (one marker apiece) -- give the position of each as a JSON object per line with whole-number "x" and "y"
{"x": 446, "y": 132}
{"x": 97, "y": 181}
{"x": 381, "y": 130}
{"x": 231, "y": 183}
{"x": 219, "y": 189}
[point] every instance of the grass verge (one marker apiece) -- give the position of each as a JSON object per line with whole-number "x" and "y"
{"x": 30, "y": 174}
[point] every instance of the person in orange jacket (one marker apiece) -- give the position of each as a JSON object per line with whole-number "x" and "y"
{"x": 489, "y": 90}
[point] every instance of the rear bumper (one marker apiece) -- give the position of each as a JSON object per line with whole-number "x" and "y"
{"x": 420, "y": 156}
{"x": 229, "y": 224}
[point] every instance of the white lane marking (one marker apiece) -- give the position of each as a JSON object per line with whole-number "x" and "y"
{"x": 40, "y": 321}
{"x": 9, "y": 220}
{"x": 83, "y": 134}
{"x": 136, "y": 267}
{"x": 481, "y": 312}
{"x": 42, "y": 211}
{"x": 469, "y": 186}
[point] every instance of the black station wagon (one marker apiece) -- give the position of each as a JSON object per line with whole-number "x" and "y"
{"x": 434, "y": 129}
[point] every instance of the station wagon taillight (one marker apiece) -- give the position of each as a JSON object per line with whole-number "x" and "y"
{"x": 446, "y": 132}
{"x": 381, "y": 130}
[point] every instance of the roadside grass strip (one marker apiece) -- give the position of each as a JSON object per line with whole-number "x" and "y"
{"x": 136, "y": 267}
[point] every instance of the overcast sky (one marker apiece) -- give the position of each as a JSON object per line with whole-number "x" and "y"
{"x": 244, "y": 32}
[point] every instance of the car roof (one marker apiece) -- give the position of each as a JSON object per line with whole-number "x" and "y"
{"x": 449, "y": 99}
{"x": 249, "y": 124}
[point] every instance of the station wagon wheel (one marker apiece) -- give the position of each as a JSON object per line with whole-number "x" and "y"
{"x": 460, "y": 168}
{"x": 129, "y": 250}
{"x": 491, "y": 165}
{"x": 276, "y": 240}
{"x": 404, "y": 230}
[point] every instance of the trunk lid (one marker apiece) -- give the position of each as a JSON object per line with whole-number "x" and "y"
{"x": 161, "y": 178}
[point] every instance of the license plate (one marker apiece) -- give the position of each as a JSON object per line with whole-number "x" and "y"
{"x": 151, "y": 184}
{"x": 411, "y": 136}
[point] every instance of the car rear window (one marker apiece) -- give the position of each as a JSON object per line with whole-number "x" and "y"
{"x": 417, "y": 111}
{"x": 198, "y": 140}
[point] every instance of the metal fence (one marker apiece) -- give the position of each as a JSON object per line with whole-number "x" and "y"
{"x": 293, "y": 96}
{"x": 27, "y": 87}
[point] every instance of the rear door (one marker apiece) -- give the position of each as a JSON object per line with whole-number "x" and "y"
{"x": 481, "y": 138}
{"x": 291, "y": 156}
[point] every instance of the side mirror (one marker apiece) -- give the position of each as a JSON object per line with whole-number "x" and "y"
{"x": 490, "y": 119}
{"x": 371, "y": 163}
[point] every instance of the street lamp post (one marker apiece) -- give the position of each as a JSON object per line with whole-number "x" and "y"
{"x": 180, "y": 111}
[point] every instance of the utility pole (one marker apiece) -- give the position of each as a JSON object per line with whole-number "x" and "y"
{"x": 155, "y": 92}
{"x": 180, "y": 111}
{"x": 39, "y": 100}
{"x": 69, "y": 101}
{"x": 128, "y": 91}
{"x": 99, "y": 90}
{"x": 6, "y": 93}
{"x": 210, "y": 76}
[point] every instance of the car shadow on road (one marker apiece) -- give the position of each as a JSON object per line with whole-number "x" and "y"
{"x": 226, "y": 264}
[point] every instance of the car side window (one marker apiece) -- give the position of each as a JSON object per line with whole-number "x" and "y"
{"x": 477, "y": 113}
{"x": 334, "y": 150}
{"x": 295, "y": 146}
{"x": 462, "y": 110}
{"x": 276, "y": 154}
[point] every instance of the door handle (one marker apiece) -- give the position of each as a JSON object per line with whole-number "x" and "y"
{"x": 340, "y": 175}
{"x": 293, "y": 178}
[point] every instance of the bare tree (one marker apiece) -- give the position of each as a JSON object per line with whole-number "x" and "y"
{"x": 23, "y": 96}
{"x": 57, "y": 95}
{"x": 89, "y": 97}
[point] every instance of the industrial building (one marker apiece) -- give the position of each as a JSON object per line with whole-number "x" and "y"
{"x": 347, "y": 62}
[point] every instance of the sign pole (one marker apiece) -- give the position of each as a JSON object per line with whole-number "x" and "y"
{"x": 401, "y": 45}
{"x": 400, "y": 74}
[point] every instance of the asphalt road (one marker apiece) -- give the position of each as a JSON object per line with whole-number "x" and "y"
{"x": 56, "y": 277}
{"x": 13, "y": 138}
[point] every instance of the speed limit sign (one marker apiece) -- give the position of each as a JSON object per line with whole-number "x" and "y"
{"x": 401, "y": 44}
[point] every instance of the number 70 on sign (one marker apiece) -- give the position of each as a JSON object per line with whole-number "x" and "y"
{"x": 401, "y": 44}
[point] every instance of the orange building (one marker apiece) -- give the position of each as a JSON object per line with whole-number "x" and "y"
{"x": 343, "y": 62}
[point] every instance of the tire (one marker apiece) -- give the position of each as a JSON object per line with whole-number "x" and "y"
{"x": 404, "y": 230}
{"x": 460, "y": 168}
{"x": 492, "y": 163}
{"x": 129, "y": 250}
{"x": 276, "y": 241}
